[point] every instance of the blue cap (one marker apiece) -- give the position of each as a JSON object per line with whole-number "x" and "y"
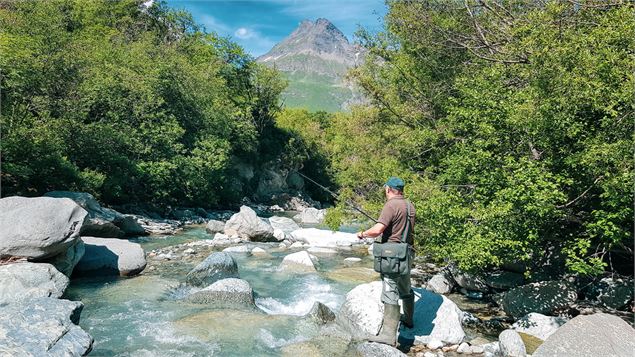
{"x": 396, "y": 183}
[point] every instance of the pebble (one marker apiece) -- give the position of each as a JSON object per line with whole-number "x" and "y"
{"x": 464, "y": 348}
{"x": 352, "y": 260}
{"x": 429, "y": 354}
{"x": 189, "y": 251}
{"x": 450, "y": 348}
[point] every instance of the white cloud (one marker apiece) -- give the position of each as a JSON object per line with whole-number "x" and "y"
{"x": 244, "y": 33}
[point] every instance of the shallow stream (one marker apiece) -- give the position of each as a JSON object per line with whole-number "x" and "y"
{"x": 142, "y": 316}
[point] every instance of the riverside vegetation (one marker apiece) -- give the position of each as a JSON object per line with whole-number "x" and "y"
{"x": 511, "y": 122}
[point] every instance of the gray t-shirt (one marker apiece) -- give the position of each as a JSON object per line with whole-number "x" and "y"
{"x": 393, "y": 216}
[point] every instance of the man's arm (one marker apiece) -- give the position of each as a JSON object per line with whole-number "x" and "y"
{"x": 373, "y": 232}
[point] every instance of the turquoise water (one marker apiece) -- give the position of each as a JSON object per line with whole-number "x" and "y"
{"x": 140, "y": 317}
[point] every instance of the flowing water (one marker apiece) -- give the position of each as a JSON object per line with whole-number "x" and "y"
{"x": 142, "y": 316}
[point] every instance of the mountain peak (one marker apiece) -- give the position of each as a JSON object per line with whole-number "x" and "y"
{"x": 320, "y": 38}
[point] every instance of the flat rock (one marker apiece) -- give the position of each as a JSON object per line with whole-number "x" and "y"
{"x": 312, "y": 216}
{"x": 110, "y": 256}
{"x": 321, "y": 250}
{"x": 324, "y": 238}
{"x": 217, "y": 266}
{"x": 467, "y": 280}
{"x": 372, "y": 349}
{"x": 247, "y": 225}
{"x": 43, "y": 327}
{"x": 40, "y": 227}
{"x": 298, "y": 262}
{"x": 543, "y": 297}
{"x": 24, "y": 281}
{"x": 284, "y": 224}
{"x": 590, "y": 335}
{"x": 226, "y": 293}
{"x": 504, "y": 279}
{"x": 538, "y": 325}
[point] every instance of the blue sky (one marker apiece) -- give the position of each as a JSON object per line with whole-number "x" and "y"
{"x": 257, "y": 25}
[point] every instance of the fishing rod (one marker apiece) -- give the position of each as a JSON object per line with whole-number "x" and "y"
{"x": 337, "y": 197}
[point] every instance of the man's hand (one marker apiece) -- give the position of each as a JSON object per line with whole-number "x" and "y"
{"x": 360, "y": 235}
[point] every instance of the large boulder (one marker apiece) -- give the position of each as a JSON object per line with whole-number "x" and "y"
{"x": 511, "y": 344}
{"x": 43, "y": 327}
{"x": 324, "y": 238}
{"x": 217, "y": 266}
{"x": 543, "y": 297}
{"x": 302, "y": 262}
{"x": 312, "y": 215}
{"x": 468, "y": 281}
{"x": 66, "y": 261}
{"x": 247, "y": 225}
{"x": 441, "y": 283}
{"x": 214, "y": 226}
{"x": 39, "y": 227}
{"x": 287, "y": 225}
{"x": 435, "y": 318}
{"x": 538, "y": 325}
{"x": 371, "y": 349}
{"x": 590, "y": 335}
{"x": 110, "y": 256}
{"x": 24, "y": 281}
{"x": 102, "y": 221}
{"x": 612, "y": 293}
{"x": 226, "y": 293}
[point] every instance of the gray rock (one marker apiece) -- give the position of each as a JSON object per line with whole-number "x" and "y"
{"x": 312, "y": 216}
{"x": 321, "y": 313}
{"x": 511, "y": 344}
{"x": 214, "y": 226}
{"x": 441, "y": 283}
{"x": 538, "y": 325}
{"x": 464, "y": 348}
{"x": 371, "y": 349}
{"x": 492, "y": 349}
{"x": 544, "y": 298}
{"x": 215, "y": 267}
{"x": 43, "y": 327}
{"x": 247, "y": 225}
{"x": 295, "y": 181}
{"x": 435, "y": 316}
{"x": 24, "y": 281}
{"x": 298, "y": 262}
{"x": 40, "y": 227}
{"x": 102, "y": 221}
{"x": 65, "y": 262}
{"x": 590, "y": 335}
{"x": 284, "y": 224}
{"x": 110, "y": 256}
{"x": 225, "y": 293}
{"x": 238, "y": 249}
{"x": 504, "y": 280}
{"x": 131, "y": 227}
{"x": 271, "y": 181}
{"x": 468, "y": 281}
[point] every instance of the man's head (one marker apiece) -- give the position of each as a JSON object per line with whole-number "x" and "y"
{"x": 394, "y": 187}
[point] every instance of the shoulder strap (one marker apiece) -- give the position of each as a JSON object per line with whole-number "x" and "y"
{"x": 406, "y": 229}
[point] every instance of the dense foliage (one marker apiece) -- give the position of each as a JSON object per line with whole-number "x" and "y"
{"x": 512, "y": 123}
{"x": 128, "y": 102}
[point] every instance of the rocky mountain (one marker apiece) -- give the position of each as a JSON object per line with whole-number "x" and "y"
{"x": 315, "y": 58}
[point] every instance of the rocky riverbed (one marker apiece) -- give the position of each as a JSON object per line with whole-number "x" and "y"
{"x": 79, "y": 278}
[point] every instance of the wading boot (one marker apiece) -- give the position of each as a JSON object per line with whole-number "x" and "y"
{"x": 408, "y": 311}
{"x": 388, "y": 332}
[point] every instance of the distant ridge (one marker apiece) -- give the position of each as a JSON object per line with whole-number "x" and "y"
{"x": 315, "y": 58}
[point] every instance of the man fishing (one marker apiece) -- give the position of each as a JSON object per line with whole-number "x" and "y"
{"x": 395, "y": 225}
